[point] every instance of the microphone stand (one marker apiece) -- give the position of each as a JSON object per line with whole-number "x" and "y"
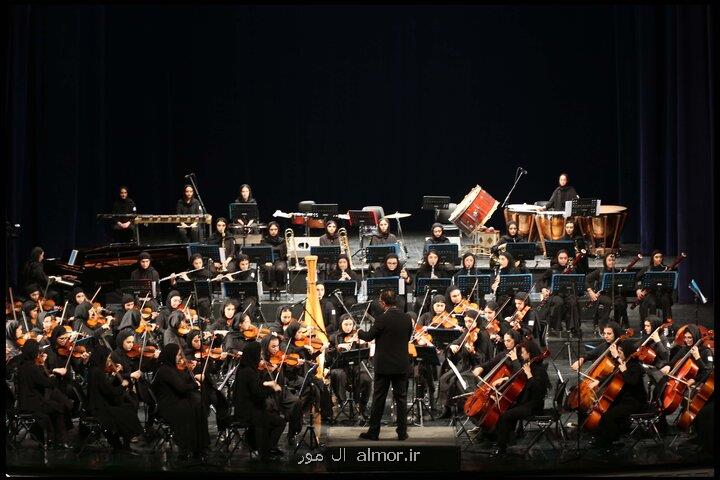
{"x": 518, "y": 174}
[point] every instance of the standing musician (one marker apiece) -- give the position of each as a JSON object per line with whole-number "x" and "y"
{"x": 222, "y": 239}
{"x": 506, "y": 264}
{"x": 108, "y": 401}
{"x": 38, "y": 394}
{"x": 593, "y": 283}
{"x": 354, "y": 375}
{"x": 437, "y": 235}
{"x": 383, "y": 235}
{"x": 331, "y": 236}
{"x": 251, "y": 390}
{"x": 123, "y": 231}
{"x": 430, "y": 268}
{"x": 561, "y": 304}
{"x": 631, "y": 399}
{"x": 532, "y": 399}
{"x": 179, "y": 402}
{"x": 145, "y": 272}
{"x": 391, "y": 268}
{"x": 391, "y": 331}
{"x": 34, "y": 273}
{"x": 343, "y": 273}
{"x": 524, "y": 320}
{"x": 189, "y": 205}
{"x": 562, "y": 193}
{"x": 571, "y": 233}
{"x": 662, "y": 297}
{"x": 276, "y": 273}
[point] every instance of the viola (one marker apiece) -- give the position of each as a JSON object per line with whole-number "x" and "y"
{"x": 696, "y": 402}
{"x": 254, "y": 332}
{"x": 582, "y": 396}
{"x": 311, "y": 340}
{"x": 420, "y": 334}
{"x": 25, "y": 337}
{"x": 289, "y": 359}
{"x": 77, "y": 350}
{"x": 146, "y": 313}
{"x": 516, "y": 318}
{"x": 147, "y": 352}
{"x": 12, "y": 307}
{"x": 48, "y": 304}
{"x": 461, "y": 307}
{"x": 684, "y": 370}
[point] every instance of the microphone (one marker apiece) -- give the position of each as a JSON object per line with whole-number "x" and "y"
{"x": 298, "y": 303}
{"x": 523, "y": 171}
{"x": 190, "y": 175}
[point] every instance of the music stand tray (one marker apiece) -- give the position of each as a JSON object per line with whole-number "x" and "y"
{"x": 554, "y": 246}
{"x": 352, "y": 357}
{"x": 582, "y": 207}
{"x": 622, "y": 281}
{"x": 243, "y": 211}
{"x": 326, "y": 253}
{"x": 138, "y": 287}
{"x": 522, "y": 250}
{"x": 654, "y": 280}
{"x": 203, "y": 289}
{"x": 377, "y": 253}
{"x": 467, "y": 282}
{"x": 206, "y": 251}
{"x": 259, "y": 254}
{"x": 442, "y": 337}
{"x": 428, "y": 355}
{"x": 362, "y": 217}
{"x": 564, "y": 281}
{"x": 324, "y": 210}
{"x": 376, "y": 285}
{"x": 511, "y": 284}
{"x": 243, "y": 289}
{"x": 348, "y": 288}
{"x": 435, "y": 202}
{"x": 439, "y": 284}
{"x": 446, "y": 252}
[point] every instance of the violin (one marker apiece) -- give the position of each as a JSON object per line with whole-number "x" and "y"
{"x": 112, "y": 368}
{"x": 77, "y": 350}
{"x": 96, "y": 317}
{"x": 215, "y": 353}
{"x": 12, "y": 307}
{"x": 684, "y": 370}
{"x": 444, "y": 320}
{"x": 583, "y": 395}
{"x": 289, "y": 359}
{"x": 516, "y": 318}
{"x": 460, "y": 308}
{"x": 308, "y": 339}
{"x": 144, "y": 326}
{"x": 696, "y": 402}
{"x": 254, "y": 332}
{"x": 25, "y": 337}
{"x": 420, "y": 334}
{"x": 147, "y": 352}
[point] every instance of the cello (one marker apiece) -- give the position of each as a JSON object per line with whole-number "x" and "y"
{"x": 583, "y": 395}
{"x": 685, "y": 369}
{"x": 645, "y": 353}
{"x": 696, "y": 402}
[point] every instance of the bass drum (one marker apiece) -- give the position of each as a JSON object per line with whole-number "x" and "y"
{"x": 475, "y": 209}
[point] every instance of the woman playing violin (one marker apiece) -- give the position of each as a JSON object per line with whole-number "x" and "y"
{"x": 524, "y": 319}
{"x": 355, "y": 374}
{"x": 123, "y": 355}
{"x": 177, "y": 323}
{"x": 437, "y": 317}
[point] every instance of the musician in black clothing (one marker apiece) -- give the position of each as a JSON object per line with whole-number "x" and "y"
{"x": 430, "y": 268}
{"x": 506, "y": 264}
{"x": 343, "y": 273}
{"x": 383, "y": 235}
{"x": 245, "y": 194}
{"x": 528, "y": 325}
{"x": 437, "y": 235}
{"x": 468, "y": 267}
{"x": 354, "y": 376}
{"x": 189, "y": 205}
{"x": 532, "y": 399}
{"x": 223, "y": 239}
{"x": 572, "y": 233}
{"x": 511, "y": 236}
{"x": 660, "y": 345}
{"x": 700, "y": 353}
{"x": 331, "y": 236}
{"x": 276, "y": 272}
{"x": 146, "y": 272}
{"x": 563, "y": 304}
{"x": 391, "y": 331}
{"x": 610, "y": 333}
{"x": 34, "y": 273}
{"x": 650, "y": 301}
{"x": 391, "y": 268}
{"x": 204, "y": 274}
{"x": 123, "y": 231}
{"x": 562, "y": 193}
{"x": 606, "y": 300}
{"x": 245, "y": 274}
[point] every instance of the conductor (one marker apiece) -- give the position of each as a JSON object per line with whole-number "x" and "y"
{"x": 391, "y": 331}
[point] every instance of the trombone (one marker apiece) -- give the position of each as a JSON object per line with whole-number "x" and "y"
{"x": 290, "y": 237}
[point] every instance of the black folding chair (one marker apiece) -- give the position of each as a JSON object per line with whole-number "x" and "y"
{"x": 87, "y": 422}
{"x": 549, "y": 418}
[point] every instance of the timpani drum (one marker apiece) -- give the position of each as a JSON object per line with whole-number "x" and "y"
{"x": 524, "y": 215}
{"x": 605, "y": 228}
{"x": 475, "y": 209}
{"x": 550, "y": 225}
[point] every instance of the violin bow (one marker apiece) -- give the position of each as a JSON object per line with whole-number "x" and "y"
{"x": 12, "y": 305}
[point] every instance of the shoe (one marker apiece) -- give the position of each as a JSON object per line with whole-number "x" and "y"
{"x": 402, "y": 436}
{"x": 368, "y": 436}
{"x": 276, "y": 451}
{"x": 291, "y": 440}
{"x": 447, "y": 413}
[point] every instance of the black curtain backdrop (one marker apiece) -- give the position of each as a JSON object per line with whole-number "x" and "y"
{"x": 363, "y": 105}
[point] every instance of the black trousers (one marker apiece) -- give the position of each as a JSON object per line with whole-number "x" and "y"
{"x": 602, "y": 311}
{"x": 265, "y": 432}
{"x": 276, "y": 274}
{"x": 341, "y": 377}
{"x": 653, "y": 300}
{"x": 563, "y": 306}
{"x": 382, "y": 385}
{"x": 508, "y": 420}
{"x": 617, "y": 420}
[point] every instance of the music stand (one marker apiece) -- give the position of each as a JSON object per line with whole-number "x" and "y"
{"x": 259, "y": 254}
{"x": 442, "y": 337}
{"x": 377, "y": 253}
{"x": 618, "y": 281}
{"x": 435, "y": 202}
{"x": 206, "y": 251}
{"x": 346, "y": 360}
{"x": 582, "y": 207}
{"x": 656, "y": 280}
{"x": 362, "y": 218}
{"x": 202, "y": 289}
{"x": 243, "y": 211}
{"x": 327, "y": 254}
{"x": 566, "y": 281}
{"x": 376, "y": 285}
{"x": 467, "y": 282}
{"x": 140, "y": 288}
{"x": 439, "y": 284}
{"x": 554, "y": 246}
{"x": 446, "y": 252}
{"x": 241, "y": 289}
{"x": 324, "y": 210}
{"x": 522, "y": 250}
{"x": 428, "y": 356}
{"x": 359, "y": 314}
{"x": 347, "y": 287}
{"x": 511, "y": 284}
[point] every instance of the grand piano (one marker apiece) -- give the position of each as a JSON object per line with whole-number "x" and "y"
{"x": 106, "y": 265}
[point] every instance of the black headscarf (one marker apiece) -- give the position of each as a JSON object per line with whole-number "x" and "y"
{"x": 442, "y": 237}
{"x": 82, "y": 311}
{"x": 10, "y": 327}
{"x": 694, "y": 330}
{"x": 127, "y": 298}
{"x": 168, "y": 354}
{"x": 533, "y": 348}
{"x": 292, "y": 330}
{"x": 343, "y": 255}
{"x": 55, "y": 334}
{"x": 28, "y": 307}
{"x": 655, "y": 322}
{"x": 628, "y": 347}
{"x": 617, "y": 329}
{"x": 516, "y": 335}
{"x": 264, "y": 344}
{"x": 469, "y": 254}
{"x": 131, "y": 318}
{"x": 388, "y": 257}
{"x": 30, "y": 350}
{"x": 32, "y": 288}
{"x": 189, "y": 338}
{"x": 174, "y": 319}
{"x": 170, "y": 295}
{"x": 250, "y": 355}
{"x": 98, "y": 357}
{"x": 121, "y": 336}
{"x": 437, "y": 299}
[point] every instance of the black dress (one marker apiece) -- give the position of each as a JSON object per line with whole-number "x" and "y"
{"x": 108, "y": 402}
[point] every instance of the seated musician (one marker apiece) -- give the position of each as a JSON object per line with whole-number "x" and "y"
{"x": 223, "y": 239}
{"x": 235, "y": 340}
{"x": 245, "y": 274}
{"x": 512, "y": 236}
{"x": 108, "y": 401}
{"x": 283, "y": 320}
{"x": 611, "y": 332}
{"x": 331, "y": 236}
{"x": 701, "y": 354}
{"x": 532, "y": 399}
{"x": 251, "y": 392}
{"x": 13, "y": 333}
{"x": 438, "y": 308}
{"x": 593, "y": 283}
{"x": 506, "y": 264}
{"x": 430, "y": 268}
{"x": 145, "y": 271}
{"x": 178, "y": 325}
{"x": 276, "y": 272}
{"x": 33, "y": 294}
{"x": 205, "y": 273}
{"x": 189, "y": 205}
{"x": 328, "y": 309}
{"x": 197, "y": 361}
{"x": 631, "y": 399}
{"x": 572, "y": 233}
{"x": 59, "y": 343}
{"x": 354, "y": 376}
{"x": 85, "y": 324}
{"x": 31, "y": 311}
{"x": 343, "y": 273}
{"x": 173, "y": 303}
{"x": 391, "y": 268}
{"x": 524, "y": 320}
{"x": 228, "y": 316}
{"x": 655, "y": 298}
{"x": 132, "y": 370}
{"x": 38, "y": 394}
{"x": 33, "y": 272}
{"x": 123, "y": 231}
{"x": 383, "y": 235}
{"x": 562, "y": 193}
{"x": 437, "y": 235}
{"x": 465, "y": 354}
{"x": 563, "y": 304}
{"x": 77, "y": 297}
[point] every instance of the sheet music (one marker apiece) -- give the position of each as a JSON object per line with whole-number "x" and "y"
{"x": 401, "y": 286}
{"x": 457, "y": 374}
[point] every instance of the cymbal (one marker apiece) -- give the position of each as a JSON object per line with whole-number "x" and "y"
{"x": 343, "y": 216}
{"x": 398, "y": 215}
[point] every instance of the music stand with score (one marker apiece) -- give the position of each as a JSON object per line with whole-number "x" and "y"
{"x": 207, "y": 251}
{"x": 522, "y": 250}
{"x": 446, "y": 252}
{"x": 259, "y": 254}
{"x": 327, "y": 254}
{"x": 622, "y": 281}
{"x": 376, "y": 285}
{"x": 582, "y": 207}
{"x": 554, "y": 246}
{"x": 566, "y": 281}
{"x": 655, "y": 280}
{"x": 241, "y": 290}
{"x": 442, "y": 337}
{"x": 348, "y": 288}
{"x": 438, "y": 284}
{"x": 377, "y": 253}
{"x": 467, "y": 282}
{"x": 139, "y": 287}
{"x": 511, "y": 284}
{"x": 362, "y": 218}
{"x": 244, "y": 212}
